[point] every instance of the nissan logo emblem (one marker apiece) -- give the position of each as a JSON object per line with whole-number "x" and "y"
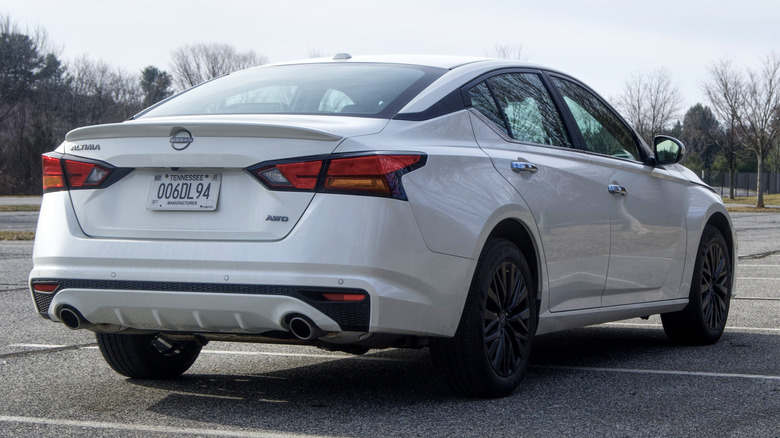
{"x": 181, "y": 140}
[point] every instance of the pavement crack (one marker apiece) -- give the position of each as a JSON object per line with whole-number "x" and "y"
{"x": 46, "y": 351}
{"x": 759, "y": 255}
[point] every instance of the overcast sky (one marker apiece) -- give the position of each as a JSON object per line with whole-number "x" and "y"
{"x": 602, "y": 42}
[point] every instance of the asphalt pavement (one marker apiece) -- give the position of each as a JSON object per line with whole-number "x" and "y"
{"x": 612, "y": 380}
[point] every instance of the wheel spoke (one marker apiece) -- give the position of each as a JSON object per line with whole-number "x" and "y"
{"x": 498, "y": 355}
{"x": 507, "y": 318}
{"x": 493, "y": 302}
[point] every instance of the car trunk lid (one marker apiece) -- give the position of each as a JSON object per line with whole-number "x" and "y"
{"x": 214, "y": 150}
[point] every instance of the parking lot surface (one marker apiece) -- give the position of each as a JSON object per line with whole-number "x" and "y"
{"x": 620, "y": 379}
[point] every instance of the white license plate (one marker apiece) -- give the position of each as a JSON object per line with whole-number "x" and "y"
{"x": 197, "y": 191}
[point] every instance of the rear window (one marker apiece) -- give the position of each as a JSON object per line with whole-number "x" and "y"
{"x": 367, "y": 90}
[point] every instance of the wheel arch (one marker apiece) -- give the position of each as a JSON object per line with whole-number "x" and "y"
{"x": 516, "y": 232}
{"x": 722, "y": 222}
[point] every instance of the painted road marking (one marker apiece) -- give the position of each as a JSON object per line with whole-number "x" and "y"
{"x": 663, "y": 372}
{"x": 731, "y": 329}
{"x": 149, "y": 428}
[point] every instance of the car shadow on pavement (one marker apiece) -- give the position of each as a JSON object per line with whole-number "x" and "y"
{"x": 349, "y": 396}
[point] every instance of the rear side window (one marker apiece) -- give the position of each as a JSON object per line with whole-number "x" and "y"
{"x": 603, "y": 131}
{"x": 482, "y": 99}
{"x": 526, "y": 110}
{"x": 370, "y": 90}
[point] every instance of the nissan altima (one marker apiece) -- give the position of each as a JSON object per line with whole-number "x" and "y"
{"x": 464, "y": 205}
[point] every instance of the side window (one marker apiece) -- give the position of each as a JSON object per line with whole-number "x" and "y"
{"x": 482, "y": 100}
{"x": 603, "y": 131}
{"x": 529, "y": 109}
{"x": 520, "y": 105}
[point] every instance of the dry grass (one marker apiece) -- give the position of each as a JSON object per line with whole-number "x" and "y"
{"x": 11, "y": 208}
{"x": 773, "y": 199}
{"x": 16, "y": 235}
{"x": 752, "y": 210}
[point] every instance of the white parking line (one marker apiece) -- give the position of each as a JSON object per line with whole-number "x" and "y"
{"x": 312, "y": 355}
{"x": 732, "y": 329}
{"x": 149, "y": 428}
{"x": 740, "y": 297}
{"x": 36, "y": 346}
{"x": 664, "y": 372}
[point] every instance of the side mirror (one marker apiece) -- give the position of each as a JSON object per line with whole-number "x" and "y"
{"x": 668, "y": 150}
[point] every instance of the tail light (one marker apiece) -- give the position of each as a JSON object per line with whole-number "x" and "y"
{"x": 67, "y": 174}
{"x": 53, "y": 178}
{"x": 85, "y": 175}
{"x": 373, "y": 175}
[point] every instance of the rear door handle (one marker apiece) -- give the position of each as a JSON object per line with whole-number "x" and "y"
{"x": 617, "y": 189}
{"x": 521, "y": 166}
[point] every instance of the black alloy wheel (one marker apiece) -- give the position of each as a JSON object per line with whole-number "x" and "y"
{"x": 507, "y": 320}
{"x": 491, "y": 347}
{"x": 715, "y": 282}
{"x": 703, "y": 320}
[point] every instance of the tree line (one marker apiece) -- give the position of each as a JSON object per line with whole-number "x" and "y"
{"x": 738, "y": 129}
{"x": 43, "y": 96}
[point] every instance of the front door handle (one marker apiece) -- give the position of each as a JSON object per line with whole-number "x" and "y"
{"x": 617, "y": 189}
{"x": 520, "y": 166}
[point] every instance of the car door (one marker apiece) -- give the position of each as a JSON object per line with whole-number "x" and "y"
{"x": 518, "y": 126}
{"x": 646, "y": 203}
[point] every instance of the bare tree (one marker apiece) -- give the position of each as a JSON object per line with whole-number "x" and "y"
{"x": 506, "y": 52}
{"x": 726, "y": 92}
{"x": 102, "y": 94}
{"x": 197, "y": 63}
{"x": 651, "y": 103}
{"x": 315, "y": 52}
{"x": 760, "y": 123}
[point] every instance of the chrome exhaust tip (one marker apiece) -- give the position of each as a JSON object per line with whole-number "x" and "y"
{"x": 72, "y": 318}
{"x": 304, "y": 328}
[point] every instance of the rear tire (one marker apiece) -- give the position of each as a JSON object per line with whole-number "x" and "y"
{"x": 147, "y": 356}
{"x": 491, "y": 347}
{"x": 702, "y": 321}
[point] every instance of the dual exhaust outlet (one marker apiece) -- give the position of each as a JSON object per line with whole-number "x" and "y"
{"x": 73, "y": 319}
{"x": 302, "y": 327}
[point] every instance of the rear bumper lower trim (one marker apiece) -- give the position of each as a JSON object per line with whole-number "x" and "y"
{"x": 350, "y": 315}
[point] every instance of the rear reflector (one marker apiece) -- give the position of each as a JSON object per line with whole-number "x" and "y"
{"x": 45, "y": 287}
{"x": 373, "y": 175}
{"x": 344, "y": 297}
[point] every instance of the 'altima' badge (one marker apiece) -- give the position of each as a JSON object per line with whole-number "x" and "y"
{"x": 181, "y": 140}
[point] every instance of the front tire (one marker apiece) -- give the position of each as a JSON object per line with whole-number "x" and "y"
{"x": 702, "y": 321}
{"x": 491, "y": 347}
{"x": 147, "y": 356}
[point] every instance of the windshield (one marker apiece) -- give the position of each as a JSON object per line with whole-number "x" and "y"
{"x": 367, "y": 90}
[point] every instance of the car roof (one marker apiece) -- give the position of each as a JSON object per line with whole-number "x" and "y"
{"x": 438, "y": 61}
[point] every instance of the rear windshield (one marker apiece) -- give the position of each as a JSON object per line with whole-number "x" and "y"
{"x": 367, "y": 90}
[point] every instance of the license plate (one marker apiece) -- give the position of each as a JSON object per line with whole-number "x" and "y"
{"x": 195, "y": 191}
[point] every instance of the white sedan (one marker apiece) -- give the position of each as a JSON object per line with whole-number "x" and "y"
{"x": 355, "y": 203}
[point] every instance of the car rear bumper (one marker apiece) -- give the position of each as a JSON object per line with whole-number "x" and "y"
{"x": 341, "y": 243}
